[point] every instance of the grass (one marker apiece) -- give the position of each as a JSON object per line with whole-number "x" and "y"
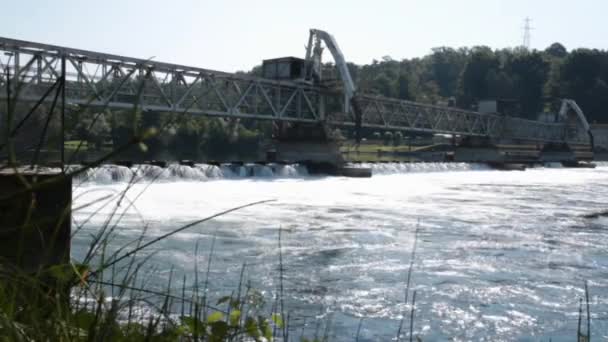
{"x": 375, "y": 158}
{"x": 377, "y": 152}
{"x": 75, "y": 145}
{"x": 377, "y": 147}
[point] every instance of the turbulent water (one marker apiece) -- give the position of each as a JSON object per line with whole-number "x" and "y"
{"x": 499, "y": 255}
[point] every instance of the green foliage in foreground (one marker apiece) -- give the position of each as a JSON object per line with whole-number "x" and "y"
{"x": 107, "y": 296}
{"x": 31, "y": 310}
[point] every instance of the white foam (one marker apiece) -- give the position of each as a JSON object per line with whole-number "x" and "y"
{"x": 203, "y": 172}
{"x": 397, "y": 168}
{"x": 107, "y": 174}
{"x": 601, "y": 164}
{"x": 175, "y": 172}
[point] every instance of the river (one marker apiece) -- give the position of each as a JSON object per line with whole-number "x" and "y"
{"x": 499, "y": 255}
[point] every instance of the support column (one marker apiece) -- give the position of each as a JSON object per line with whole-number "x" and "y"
{"x": 34, "y": 225}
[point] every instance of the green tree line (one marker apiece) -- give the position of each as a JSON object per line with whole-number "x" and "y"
{"x": 533, "y": 81}
{"x": 179, "y": 136}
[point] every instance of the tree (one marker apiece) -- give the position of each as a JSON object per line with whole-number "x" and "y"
{"x": 93, "y": 128}
{"x": 529, "y": 72}
{"x": 186, "y": 140}
{"x": 500, "y": 84}
{"x": 446, "y": 65}
{"x": 584, "y": 76}
{"x": 338, "y": 135}
{"x": 405, "y": 92}
{"x": 384, "y": 86}
{"x": 474, "y": 82}
{"x": 556, "y": 50}
{"x": 397, "y": 138}
{"x": 388, "y": 138}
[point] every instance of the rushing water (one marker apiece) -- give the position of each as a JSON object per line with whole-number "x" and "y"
{"x": 500, "y": 255}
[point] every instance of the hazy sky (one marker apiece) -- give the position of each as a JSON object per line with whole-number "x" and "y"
{"x": 236, "y": 35}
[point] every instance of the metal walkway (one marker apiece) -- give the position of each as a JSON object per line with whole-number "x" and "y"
{"x": 102, "y": 80}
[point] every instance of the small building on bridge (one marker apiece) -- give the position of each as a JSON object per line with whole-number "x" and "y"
{"x": 285, "y": 68}
{"x": 508, "y": 107}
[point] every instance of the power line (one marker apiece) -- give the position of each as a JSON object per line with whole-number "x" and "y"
{"x": 527, "y": 33}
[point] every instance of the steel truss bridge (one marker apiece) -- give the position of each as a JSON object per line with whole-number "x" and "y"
{"x": 32, "y": 71}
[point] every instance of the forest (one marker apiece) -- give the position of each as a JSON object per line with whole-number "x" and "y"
{"x": 533, "y": 81}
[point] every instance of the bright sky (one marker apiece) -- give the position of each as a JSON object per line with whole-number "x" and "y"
{"x": 232, "y": 35}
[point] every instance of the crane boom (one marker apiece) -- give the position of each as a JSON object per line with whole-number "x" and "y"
{"x": 317, "y": 36}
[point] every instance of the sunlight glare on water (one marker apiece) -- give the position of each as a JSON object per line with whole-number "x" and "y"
{"x": 501, "y": 254}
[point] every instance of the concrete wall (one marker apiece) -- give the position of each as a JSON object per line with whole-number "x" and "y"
{"x": 34, "y": 225}
{"x": 325, "y": 152}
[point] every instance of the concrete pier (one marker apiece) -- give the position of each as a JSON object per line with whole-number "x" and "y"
{"x": 35, "y": 216}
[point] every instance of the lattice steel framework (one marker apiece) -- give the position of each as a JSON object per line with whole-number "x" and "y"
{"x": 116, "y": 82}
{"x": 102, "y": 80}
{"x": 388, "y": 113}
